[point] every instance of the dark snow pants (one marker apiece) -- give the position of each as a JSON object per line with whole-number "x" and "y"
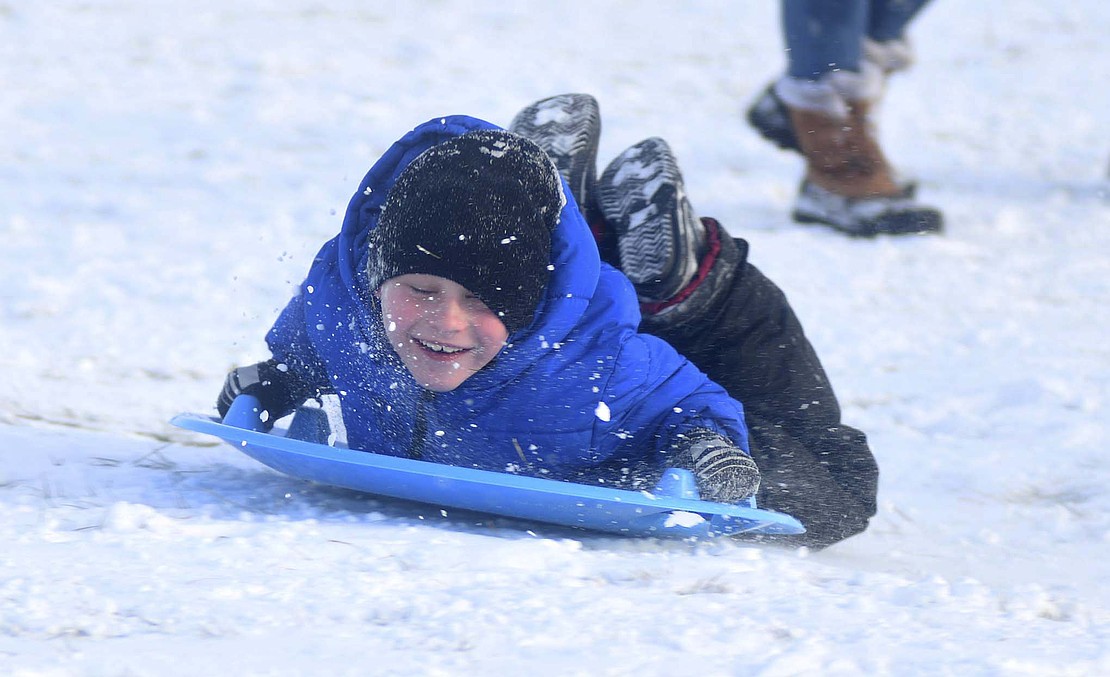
{"x": 740, "y": 330}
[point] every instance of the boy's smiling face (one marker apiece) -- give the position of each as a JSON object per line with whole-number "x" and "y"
{"x": 442, "y": 332}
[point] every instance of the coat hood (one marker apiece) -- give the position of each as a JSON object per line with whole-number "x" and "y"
{"x": 576, "y": 387}
{"x": 574, "y": 256}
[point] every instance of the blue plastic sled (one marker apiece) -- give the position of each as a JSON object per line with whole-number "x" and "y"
{"x": 671, "y": 510}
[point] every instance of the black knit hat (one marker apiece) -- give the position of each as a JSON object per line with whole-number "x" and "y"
{"x": 479, "y": 210}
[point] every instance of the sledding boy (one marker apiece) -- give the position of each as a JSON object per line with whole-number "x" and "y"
{"x": 463, "y": 316}
{"x": 697, "y": 291}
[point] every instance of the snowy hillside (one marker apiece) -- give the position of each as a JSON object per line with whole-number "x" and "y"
{"x": 168, "y": 169}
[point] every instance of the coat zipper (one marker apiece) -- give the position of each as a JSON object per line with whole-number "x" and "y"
{"x": 420, "y": 425}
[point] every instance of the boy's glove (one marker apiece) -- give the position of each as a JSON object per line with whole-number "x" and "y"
{"x": 276, "y": 388}
{"x": 724, "y": 472}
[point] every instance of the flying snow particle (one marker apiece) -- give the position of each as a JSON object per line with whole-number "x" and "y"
{"x": 602, "y": 412}
{"x": 681, "y": 518}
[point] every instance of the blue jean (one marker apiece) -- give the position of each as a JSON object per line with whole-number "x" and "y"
{"x": 827, "y": 35}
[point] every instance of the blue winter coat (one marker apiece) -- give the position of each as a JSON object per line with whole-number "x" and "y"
{"x": 576, "y": 394}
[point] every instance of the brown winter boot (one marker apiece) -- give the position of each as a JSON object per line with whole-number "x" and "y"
{"x": 842, "y": 156}
{"x": 849, "y": 184}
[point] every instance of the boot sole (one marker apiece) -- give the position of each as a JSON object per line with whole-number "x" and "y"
{"x": 567, "y": 127}
{"x": 638, "y": 195}
{"x": 917, "y": 222}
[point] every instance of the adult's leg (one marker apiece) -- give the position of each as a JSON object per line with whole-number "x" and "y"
{"x": 823, "y": 108}
{"x": 823, "y": 36}
{"x": 887, "y": 19}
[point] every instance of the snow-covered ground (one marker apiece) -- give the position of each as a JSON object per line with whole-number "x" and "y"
{"x": 168, "y": 168}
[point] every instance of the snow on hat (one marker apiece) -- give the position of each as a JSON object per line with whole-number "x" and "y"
{"x": 478, "y": 209}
